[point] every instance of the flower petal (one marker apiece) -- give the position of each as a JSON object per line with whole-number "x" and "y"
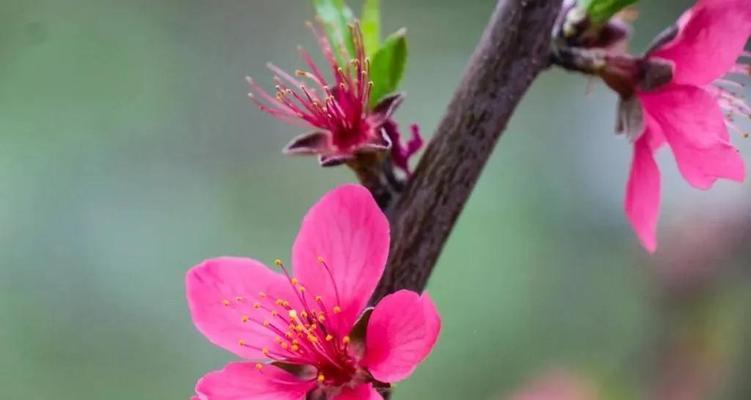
{"x": 242, "y": 381}
{"x": 221, "y": 294}
{"x": 362, "y": 392}
{"x": 711, "y": 37}
{"x": 643, "y": 193}
{"x": 348, "y": 231}
{"x": 402, "y": 330}
{"x": 694, "y": 126}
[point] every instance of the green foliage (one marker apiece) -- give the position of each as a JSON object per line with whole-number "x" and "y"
{"x": 388, "y": 65}
{"x": 337, "y": 17}
{"x": 602, "y": 10}
{"x": 371, "y": 26}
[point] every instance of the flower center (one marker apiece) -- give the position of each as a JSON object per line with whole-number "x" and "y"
{"x": 339, "y": 106}
{"x": 302, "y": 331}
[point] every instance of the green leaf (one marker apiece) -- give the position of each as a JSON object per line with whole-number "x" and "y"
{"x": 371, "y": 26}
{"x": 336, "y": 16}
{"x": 602, "y": 10}
{"x": 388, "y": 65}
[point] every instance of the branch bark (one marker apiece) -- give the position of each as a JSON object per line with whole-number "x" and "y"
{"x": 513, "y": 50}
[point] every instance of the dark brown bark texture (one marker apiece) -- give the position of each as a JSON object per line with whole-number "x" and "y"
{"x": 513, "y": 50}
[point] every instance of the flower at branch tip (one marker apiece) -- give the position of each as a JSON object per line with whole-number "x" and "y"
{"x": 687, "y": 92}
{"x": 308, "y": 331}
{"x": 338, "y": 109}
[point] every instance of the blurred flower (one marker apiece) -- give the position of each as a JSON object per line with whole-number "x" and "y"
{"x": 557, "y": 385}
{"x": 338, "y": 110}
{"x": 679, "y": 94}
{"x": 312, "y": 334}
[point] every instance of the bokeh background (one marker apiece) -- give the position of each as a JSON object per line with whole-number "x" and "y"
{"x": 130, "y": 152}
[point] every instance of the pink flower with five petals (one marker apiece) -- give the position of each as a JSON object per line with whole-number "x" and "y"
{"x": 309, "y": 331}
{"x": 694, "y": 110}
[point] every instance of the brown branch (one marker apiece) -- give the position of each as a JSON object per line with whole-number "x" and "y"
{"x": 513, "y": 50}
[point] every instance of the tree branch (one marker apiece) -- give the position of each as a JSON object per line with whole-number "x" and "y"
{"x": 513, "y": 50}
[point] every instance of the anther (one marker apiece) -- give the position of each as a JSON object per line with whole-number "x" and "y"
{"x": 245, "y": 318}
{"x": 337, "y": 309}
{"x": 241, "y": 342}
{"x": 329, "y": 338}
{"x": 226, "y": 302}
{"x": 346, "y": 340}
{"x": 259, "y": 366}
{"x": 321, "y": 378}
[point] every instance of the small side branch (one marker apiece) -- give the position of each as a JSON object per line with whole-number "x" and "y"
{"x": 513, "y": 50}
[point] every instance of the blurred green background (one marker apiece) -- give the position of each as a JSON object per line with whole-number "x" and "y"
{"x": 129, "y": 152}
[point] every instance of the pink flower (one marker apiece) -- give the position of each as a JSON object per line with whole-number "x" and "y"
{"x": 691, "y": 108}
{"x": 309, "y": 331}
{"x": 337, "y": 110}
{"x": 557, "y": 385}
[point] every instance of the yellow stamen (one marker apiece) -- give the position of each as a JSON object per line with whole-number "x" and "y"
{"x": 337, "y": 309}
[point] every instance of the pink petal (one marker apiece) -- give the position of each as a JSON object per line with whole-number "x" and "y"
{"x": 350, "y": 233}
{"x": 695, "y": 129}
{"x": 643, "y": 193}
{"x": 711, "y": 38}
{"x": 222, "y": 291}
{"x": 242, "y": 381}
{"x": 362, "y": 392}
{"x": 401, "y": 332}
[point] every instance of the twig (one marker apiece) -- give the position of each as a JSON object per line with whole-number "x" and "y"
{"x": 513, "y": 50}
